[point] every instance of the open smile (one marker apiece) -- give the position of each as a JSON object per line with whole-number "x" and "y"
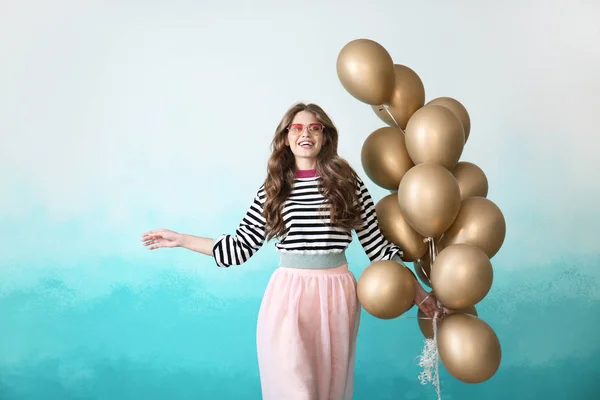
{"x": 305, "y": 144}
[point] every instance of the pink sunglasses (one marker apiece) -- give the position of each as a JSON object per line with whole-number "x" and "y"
{"x": 316, "y": 127}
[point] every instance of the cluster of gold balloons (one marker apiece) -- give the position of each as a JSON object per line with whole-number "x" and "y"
{"x": 437, "y": 210}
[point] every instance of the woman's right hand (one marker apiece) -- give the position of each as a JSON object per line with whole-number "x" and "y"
{"x": 161, "y": 238}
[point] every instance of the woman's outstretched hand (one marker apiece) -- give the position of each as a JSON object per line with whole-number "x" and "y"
{"x": 161, "y": 238}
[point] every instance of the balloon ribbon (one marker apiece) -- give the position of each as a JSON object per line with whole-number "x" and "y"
{"x": 430, "y": 360}
{"x": 430, "y": 356}
{"x": 387, "y": 109}
{"x": 432, "y": 250}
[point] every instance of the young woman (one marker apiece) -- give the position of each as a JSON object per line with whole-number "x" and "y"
{"x": 311, "y": 201}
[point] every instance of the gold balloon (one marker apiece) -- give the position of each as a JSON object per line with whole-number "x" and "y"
{"x": 435, "y": 135}
{"x": 471, "y": 179}
{"x": 408, "y": 97}
{"x": 426, "y": 324}
{"x": 461, "y": 275}
{"x": 480, "y": 222}
{"x": 386, "y": 289}
{"x": 468, "y": 347}
{"x": 366, "y": 71}
{"x": 416, "y": 280}
{"x": 429, "y": 199}
{"x": 394, "y": 228}
{"x": 458, "y": 109}
{"x": 384, "y": 157}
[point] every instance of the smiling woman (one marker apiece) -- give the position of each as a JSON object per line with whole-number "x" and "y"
{"x": 311, "y": 200}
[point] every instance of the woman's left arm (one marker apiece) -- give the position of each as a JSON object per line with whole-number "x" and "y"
{"x": 378, "y": 248}
{"x": 375, "y": 245}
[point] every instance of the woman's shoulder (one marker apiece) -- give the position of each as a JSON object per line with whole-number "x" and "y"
{"x": 261, "y": 187}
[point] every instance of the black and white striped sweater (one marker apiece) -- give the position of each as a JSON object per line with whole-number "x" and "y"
{"x": 309, "y": 230}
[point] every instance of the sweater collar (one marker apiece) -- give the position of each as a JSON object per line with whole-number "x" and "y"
{"x": 306, "y": 173}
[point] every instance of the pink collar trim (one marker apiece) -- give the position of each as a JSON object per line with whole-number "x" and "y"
{"x": 306, "y": 173}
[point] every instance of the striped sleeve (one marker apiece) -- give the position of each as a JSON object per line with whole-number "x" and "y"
{"x": 375, "y": 245}
{"x": 249, "y": 237}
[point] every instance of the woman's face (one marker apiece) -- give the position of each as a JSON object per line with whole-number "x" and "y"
{"x": 305, "y": 139}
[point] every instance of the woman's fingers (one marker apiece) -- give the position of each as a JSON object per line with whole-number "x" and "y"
{"x": 155, "y": 241}
{"x": 155, "y": 236}
{"x": 155, "y": 232}
{"x": 150, "y": 240}
{"x": 431, "y": 308}
{"x": 155, "y": 245}
{"x": 431, "y": 312}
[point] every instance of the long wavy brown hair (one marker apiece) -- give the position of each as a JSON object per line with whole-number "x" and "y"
{"x": 338, "y": 183}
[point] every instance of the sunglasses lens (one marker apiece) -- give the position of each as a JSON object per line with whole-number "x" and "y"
{"x": 315, "y": 127}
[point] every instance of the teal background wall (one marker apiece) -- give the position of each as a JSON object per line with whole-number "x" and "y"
{"x": 120, "y": 117}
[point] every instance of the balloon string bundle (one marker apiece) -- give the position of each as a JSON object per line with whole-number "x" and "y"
{"x": 429, "y": 361}
{"x": 429, "y": 358}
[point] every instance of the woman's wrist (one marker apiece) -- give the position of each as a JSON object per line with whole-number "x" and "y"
{"x": 183, "y": 241}
{"x": 420, "y": 292}
{"x": 196, "y": 243}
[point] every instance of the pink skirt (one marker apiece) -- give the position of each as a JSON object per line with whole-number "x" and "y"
{"x": 306, "y": 334}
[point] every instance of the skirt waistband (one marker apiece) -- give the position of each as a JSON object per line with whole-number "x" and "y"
{"x": 312, "y": 261}
{"x": 335, "y": 271}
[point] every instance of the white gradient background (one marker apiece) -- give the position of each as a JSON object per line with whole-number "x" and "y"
{"x": 120, "y": 117}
